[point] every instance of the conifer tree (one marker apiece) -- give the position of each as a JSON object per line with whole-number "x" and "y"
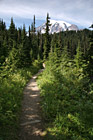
{"x": 3, "y": 41}
{"x": 22, "y": 48}
{"x": 34, "y": 24}
{"x": 19, "y": 35}
{"x": 54, "y": 43}
{"x": 60, "y": 41}
{"x": 25, "y": 57}
{"x": 32, "y": 28}
{"x": 78, "y": 56}
{"x": 12, "y": 35}
{"x": 47, "y": 38}
{"x": 29, "y": 32}
{"x": 12, "y": 30}
{"x": 40, "y": 46}
{"x": 90, "y": 56}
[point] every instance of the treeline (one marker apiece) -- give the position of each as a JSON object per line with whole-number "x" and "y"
{"x": 19, "y": 48}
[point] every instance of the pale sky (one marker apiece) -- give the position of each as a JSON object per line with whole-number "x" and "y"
{"x": 78, "y": 12}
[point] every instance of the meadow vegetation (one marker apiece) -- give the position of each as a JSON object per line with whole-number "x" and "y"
{"x": 67, "y": 99}
{"x": 11, "y": 94}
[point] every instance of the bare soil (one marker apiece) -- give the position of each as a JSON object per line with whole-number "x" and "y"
{"x": 31, "y": 123}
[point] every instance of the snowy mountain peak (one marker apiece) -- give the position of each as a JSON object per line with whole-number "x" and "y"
{"x": 57, "y": 26}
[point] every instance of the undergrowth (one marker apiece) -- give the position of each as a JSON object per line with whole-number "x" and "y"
{"x": 11, "y": 93}
{"x": 67, "y": 101}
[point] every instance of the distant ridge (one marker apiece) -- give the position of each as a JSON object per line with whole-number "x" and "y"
{"x": 57, "y": 26}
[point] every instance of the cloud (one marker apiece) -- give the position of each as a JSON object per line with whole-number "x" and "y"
{"x": 73, "y": 11}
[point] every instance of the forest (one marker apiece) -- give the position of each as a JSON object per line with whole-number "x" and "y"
{"x": 66, "y": 84}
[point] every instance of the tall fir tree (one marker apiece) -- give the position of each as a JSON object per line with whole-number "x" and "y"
{"x": 89, "y": 57}
{"x": 40, "y": 46}
{"x": 12, "y": 30}
{"x": 34, "y": 24}
{"x": 78, "y": 56}
{"x": 3, "y": 41}
{"x": 19, "y": 35}
{"x": 32, "y": 28}
{"x": 47, "y": 38}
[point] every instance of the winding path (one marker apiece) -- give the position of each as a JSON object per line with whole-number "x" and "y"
{"x": 31, "y": 124}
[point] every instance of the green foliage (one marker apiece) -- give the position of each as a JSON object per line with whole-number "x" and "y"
{"x": 67, "y": 99}
{"x": 11, "y": 92}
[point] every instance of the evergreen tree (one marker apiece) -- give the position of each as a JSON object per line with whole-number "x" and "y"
{"x": 12, "y": 59}
{"x": 12, "y": 35}
{"x": 25, "y": 55}
{"x": 60, "y": 42}
{"x": 78, "y": 56}
{"x": 22, "y": 48}
{"x": 40, "y": 46}
{"x": 12, "y": 30}
{"x": 34, "y": 24}
{"x": 29, "y": 32}
{"x": 3, "y": 42}
{"x": 19, "y": 35}
{"x": 89, "y": 57}
{"x": 34, "y": 38}
{"x": 32, "y": 28}
{"x": 47, "y": 38}
{"x": 53, "y": 43}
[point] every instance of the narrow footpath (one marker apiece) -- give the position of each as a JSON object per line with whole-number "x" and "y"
{"x": 31, "y": 124}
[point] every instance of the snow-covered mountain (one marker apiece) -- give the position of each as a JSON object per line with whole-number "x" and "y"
{"x": 57, "y": 26}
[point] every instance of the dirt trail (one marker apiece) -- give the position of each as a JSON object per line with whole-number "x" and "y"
{"x": 31, "y": 124}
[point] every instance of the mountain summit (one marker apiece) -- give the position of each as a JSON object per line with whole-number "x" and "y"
{"x": 57, "y": 26}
